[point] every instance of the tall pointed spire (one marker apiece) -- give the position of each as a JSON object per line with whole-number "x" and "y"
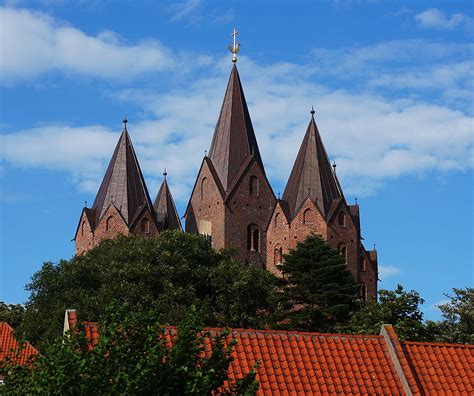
{"x": 165, "y": 208}
{"x": 234, "y": 139}
{"x": 312, "y": 174}
{"x": 123, "y": 184}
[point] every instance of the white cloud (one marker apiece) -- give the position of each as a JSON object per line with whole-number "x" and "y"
{"x": 373, "y": 138}
{"x": 388, "y": 271}
{"x": 32, "y": 43}
{"x": 434, "y": 18}
{"x": 184, "y": 9}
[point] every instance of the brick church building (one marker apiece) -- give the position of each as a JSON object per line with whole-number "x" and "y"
{"x": 232, "y": 202}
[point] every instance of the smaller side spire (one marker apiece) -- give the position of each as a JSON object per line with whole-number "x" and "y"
{"x": 165, "y": 208}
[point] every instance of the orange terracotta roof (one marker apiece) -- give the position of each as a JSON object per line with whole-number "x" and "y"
{"x": 441, "y": 368}
{"x": 292, "y": 362}
{"x": 9, "y": 345}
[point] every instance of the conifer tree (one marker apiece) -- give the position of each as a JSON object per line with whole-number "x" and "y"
{"x": 319, "y": 291}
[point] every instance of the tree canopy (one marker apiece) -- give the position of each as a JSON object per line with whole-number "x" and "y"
{"x": 135, "y": 355}
{"x": 319, "y": 291}
{"x": 171, "y": 273}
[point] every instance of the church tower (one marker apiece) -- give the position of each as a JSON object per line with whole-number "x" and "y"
{"x": 313, "y": 201}
{"x": 232, "y": 200}
{"x": 122, "y": 204}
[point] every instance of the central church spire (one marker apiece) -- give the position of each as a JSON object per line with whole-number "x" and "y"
{"x": 234, "y": 140}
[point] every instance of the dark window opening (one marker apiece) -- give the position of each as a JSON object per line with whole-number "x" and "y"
{"x": 203, "y": 187}
{"x": 108, "y": 223}
{"x": 363, "y": 291}
{"x": 341, "y": 219}
{"x": 278, "y": 255}
{"x": 145, "y": 226}
{"x": 253, "y": 238}
{"x": 253, "y": 186}
{"x": 343, "y": 250}
{"x": 307, "y": 216}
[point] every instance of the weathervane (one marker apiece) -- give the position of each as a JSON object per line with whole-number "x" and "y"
{"x": 236, "y": 48}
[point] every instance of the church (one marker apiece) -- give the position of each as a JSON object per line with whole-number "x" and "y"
{"x": 232, "y": 202}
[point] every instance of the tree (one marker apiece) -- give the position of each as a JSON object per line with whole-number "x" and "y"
{"x": 396, "y": 307}
{"x": 135, "y": 355}
{"x": 171, "y": 272}
{"x": 12, "y": 314}
{"x": 319, "y": 291}
{"x": 457, "y": 325}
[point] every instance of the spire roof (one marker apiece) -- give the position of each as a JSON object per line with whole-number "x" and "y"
{"x": 123, "y": 185}
{"x": 234, "y": 139}
{"x": 165, "y": 208}
{"x": 312, "y": 175}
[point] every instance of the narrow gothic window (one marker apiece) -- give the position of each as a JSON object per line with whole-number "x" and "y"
{"x": 145, "y": 225}
{"x": 343, "y": 251}
{"x": 108, "y": 223}
{"x": 278, "y": 255}
{"x": 277, "y": 219}
{"x": 363, "y": 291}
{"x": 82, "y": 228}
{"x": 256, "y": 240}
{"x": 341, "y": 219}
{"x": 203, "y": 186}
{"x": 364, "y": 265}
{"x": 307, "y": 216}
{"x": 253, "y": 186}
{"x": 253, "y": 238}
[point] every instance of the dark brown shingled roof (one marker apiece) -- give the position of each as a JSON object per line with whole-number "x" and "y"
{"x": 312, "y": 175}
{"x": 234, "y": 139}
{"x": 123, "y": 184}
{"x": 165, "y": 208}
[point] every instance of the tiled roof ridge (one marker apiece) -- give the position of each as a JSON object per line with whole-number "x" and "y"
{"x": 437, "y": 344}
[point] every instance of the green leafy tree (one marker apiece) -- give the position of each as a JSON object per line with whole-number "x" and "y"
{"x": 134, "y": 356}
{"x": 319, "y": 291}
{"x": 171, "y": 272}
{"x": 457, "y": 325}
{"x": 396, "y": 307}
{"x": 12, "y": 314}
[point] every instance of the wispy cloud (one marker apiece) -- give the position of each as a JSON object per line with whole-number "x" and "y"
{"x": 388, "y": 271}
{"x": 436, "y": 19}
{"x": 184, "y": 9}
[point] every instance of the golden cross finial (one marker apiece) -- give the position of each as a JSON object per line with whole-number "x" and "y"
{"x": 236, "y": 47}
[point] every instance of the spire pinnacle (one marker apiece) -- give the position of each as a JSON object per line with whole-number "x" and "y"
{"x": 236, "y": 47}
{"x": 312, "y": 112}
{"x": 165, "y": 173}
{"x": 125, "y": 122}
{"x": 334, "y": 165}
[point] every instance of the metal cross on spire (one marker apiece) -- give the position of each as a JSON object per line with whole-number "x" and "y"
{"x": 236, "y": 47}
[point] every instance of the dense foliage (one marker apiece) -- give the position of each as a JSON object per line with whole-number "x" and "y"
{"x": 396, "y": 307}
{"x": 171, "y": 273}
{"x": 457, "y": 324}
{"x": 319, "y": 291}
{"x": 134, "y": 356}
{"x": 13, "y": 314}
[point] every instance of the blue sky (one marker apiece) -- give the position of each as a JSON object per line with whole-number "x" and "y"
{"x": 392, "y": 84}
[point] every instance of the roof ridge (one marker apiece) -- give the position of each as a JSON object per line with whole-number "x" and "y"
{"x": 437, "y": 344}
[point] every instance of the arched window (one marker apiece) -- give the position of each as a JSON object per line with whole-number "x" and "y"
{"x": 343, "y": 251}
{"x": 203, "y": 187}
{"x": 83, "y": 226}
{"x": 277, "y": 219}
{"x": 363, "y": 291}
{"x": 253, "y": 238}
{"x": 253, "y": 186}
{"x": 364, "y": 264}
{"x": 278, "y": 255}
{"x": 108, "y": 223}
{"x": 341, "y": 219}
{"x": 145, "y": 225}
{"x": 307, "y": 216}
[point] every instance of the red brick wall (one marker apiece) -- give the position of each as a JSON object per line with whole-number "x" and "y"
{"x": 243, "y": 210}
{"x": 207, "y": 205}
{"x": 278, "y": 234}
{"x": 84, "y": 236}
{"x": 137, "y": 226}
